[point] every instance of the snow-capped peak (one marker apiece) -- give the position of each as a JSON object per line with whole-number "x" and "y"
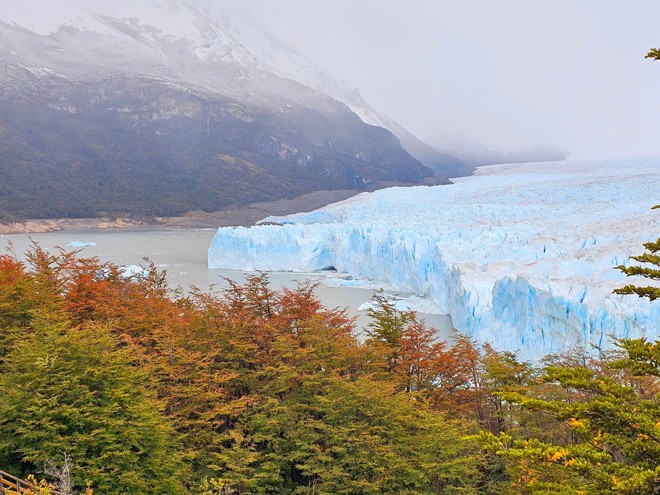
{"x": 212, "y": 30}
{"x": 182, "y": 40}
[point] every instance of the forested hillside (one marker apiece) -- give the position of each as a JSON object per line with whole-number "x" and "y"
{"x": 149, "y": 391}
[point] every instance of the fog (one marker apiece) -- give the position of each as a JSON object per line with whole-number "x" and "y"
{"x": 509, "y": 74}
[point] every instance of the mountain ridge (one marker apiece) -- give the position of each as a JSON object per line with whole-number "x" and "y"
{"x": 228, "y": 33}
{"x": 83, "y": 113}
{"x": 286, "y": 127}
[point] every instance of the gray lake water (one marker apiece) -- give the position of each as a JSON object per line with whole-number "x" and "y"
{"x": 182, "y": 253}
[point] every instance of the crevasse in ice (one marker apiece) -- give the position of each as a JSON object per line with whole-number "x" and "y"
{"x": 521, "y": 256}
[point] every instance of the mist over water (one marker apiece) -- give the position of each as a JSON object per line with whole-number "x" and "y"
{"x": 510, "y": 74}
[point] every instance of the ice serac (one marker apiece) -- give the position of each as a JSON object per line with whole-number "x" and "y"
{"x": 521, "y": 255}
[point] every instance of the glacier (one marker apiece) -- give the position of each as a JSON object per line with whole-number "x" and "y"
{"x": 521, "y": 256}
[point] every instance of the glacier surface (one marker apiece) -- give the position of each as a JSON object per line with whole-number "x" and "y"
{"x": 519, "y": 255}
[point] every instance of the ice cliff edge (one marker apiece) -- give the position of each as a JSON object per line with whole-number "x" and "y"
{"x": 522, "y": 256}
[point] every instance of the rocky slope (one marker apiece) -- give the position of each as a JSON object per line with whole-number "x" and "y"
{"x": 114, "y": 115}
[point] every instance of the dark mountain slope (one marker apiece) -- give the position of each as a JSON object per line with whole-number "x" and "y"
{"x": 136, "y": 123}
{"x": 141, "y": 145}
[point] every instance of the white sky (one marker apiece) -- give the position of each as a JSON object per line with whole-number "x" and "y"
{"x": 510, "y": 73}
{"x": 507, "y": 73}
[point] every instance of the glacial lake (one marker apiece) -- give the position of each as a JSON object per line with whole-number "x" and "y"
{"x": 182, "y": 253}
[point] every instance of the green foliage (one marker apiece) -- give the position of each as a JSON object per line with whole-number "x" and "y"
{"x": 319, "y": 419}
{"x": 73, "y": 390}
{"x": 650, "y": 271}
{"x": 613, "y": 416}
{"x": 654, "y": 53}
{"x": 387, "y": 322}
{"x": 256, "y": 391}
{"x": 387, "y": 327}
{"x": 641, "y": 358}
{"x": 333, "y": 436}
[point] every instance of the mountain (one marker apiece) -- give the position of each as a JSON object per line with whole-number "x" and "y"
{"x": 170, "y": 106}
{"x": 472, "y": 154}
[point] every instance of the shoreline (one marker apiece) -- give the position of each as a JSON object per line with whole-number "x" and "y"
{"x": 244, "y": 216}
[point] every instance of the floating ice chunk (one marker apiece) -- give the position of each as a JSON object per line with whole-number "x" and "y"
{"x": 133, "y": 271}
{"x": 79, "y": 244}
{"x": 359, "y": 283}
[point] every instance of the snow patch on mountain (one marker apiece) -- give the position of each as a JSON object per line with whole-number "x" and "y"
{"x": 211, "y": 31}
{"x": 522, "y": 256}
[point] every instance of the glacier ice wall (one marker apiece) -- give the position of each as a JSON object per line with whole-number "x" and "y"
{"x": 520, "y": 255}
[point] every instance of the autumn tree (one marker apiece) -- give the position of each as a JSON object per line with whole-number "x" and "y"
{"x": 321, "y": 418}
{"x": 249, "y": 390}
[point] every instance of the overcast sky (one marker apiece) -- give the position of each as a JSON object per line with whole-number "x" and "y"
{"x": 510, "y": 73}
{"x": 507, "y": 73}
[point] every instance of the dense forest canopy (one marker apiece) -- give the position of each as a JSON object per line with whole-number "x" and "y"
{"x": 149, "y": 390}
